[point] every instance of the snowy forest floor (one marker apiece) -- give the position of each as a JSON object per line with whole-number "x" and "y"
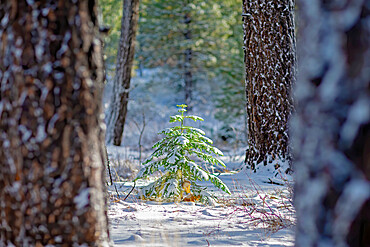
{"x": 257, "y": 213}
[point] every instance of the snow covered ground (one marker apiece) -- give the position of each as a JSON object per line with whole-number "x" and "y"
{"x": 257, "y": 213}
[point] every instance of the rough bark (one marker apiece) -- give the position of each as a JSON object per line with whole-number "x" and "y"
{"x": 125, "y": 58}
{"x": 269, "y": 54}
{"x": 331, "y": 130}
{"x": 52, "y": 160}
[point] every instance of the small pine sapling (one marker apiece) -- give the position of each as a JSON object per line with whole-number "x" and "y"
{"x": 176, "y": 155}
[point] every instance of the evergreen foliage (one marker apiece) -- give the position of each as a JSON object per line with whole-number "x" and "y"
{"x": 112, "y": 15}
{"x": 177, "y": 155}
{"x": 216, "y": 44}
{"x": 162, "y": 32}
{"x": 230, "y": 98}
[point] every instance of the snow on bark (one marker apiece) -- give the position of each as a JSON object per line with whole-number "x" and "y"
{"x": 331, "y": 128}
{"x": 117, "y": 111}
{"x": 52, "y": 161}
{"x": 269, "y": 54}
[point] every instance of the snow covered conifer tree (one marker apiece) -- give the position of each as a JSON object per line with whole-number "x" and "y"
{"x": 269, "y": 54}
{"x": 121, "y": 84}
{"x": 177, "y": 155}
{"x": 51, "y": 155}
{"x": 331, "y": 130}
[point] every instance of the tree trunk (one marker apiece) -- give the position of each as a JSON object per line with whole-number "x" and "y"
{"x": 331, "y": 130}
{"x": 269, "y": 54}
{"x": 52, "y": 160}
{"x": 188, "y": 76}
{"x": 125, "y": 58}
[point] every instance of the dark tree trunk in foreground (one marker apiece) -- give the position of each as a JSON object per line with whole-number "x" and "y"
{"x": 52, "y": 161}
{"x": 125, "y": 58}
{"x": 269, "y": 54}
{"x": 331, "y": 132}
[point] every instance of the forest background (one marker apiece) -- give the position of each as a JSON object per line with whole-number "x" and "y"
{"x": 218, "y": 88}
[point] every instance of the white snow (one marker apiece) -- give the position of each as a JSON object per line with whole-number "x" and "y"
{"x": 26, "y": 134}
{"x": 48, "y": 67}
{"x": 41, "y": 134}
{"x": 359, "y": 113}
{"x": 52, "y": 122}
{"x": 45, "y": 11}
{"x": 82, "y": 199}
{"x": 196, "y": 170}
{"x": 172, "y": 159}
{"x": 357, "y": 191}
{"x": 255, "y": 214}
{"x": 183, "y": 140}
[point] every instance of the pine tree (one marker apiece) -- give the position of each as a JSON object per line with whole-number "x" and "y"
{"x": 177, "y": 155}
{"x": 111, "y": 11}
{"x": 331, "y": 129}
{"x": 215, "y": 38}
{"x": 269, "y": 48}
{"x": 52, "y": 160}
{"x": 121, "y": 84}
{"x": 230, "y": 96}
{"x": 183, "y": 37}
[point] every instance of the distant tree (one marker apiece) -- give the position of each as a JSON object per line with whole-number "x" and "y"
{"x": 269, "y": 51}
{"x": 230, "y": 96}
{"x": 331, "y": 129}
{"x": 188, "y": 57}
{"x": 216, "y": 75}
{"x": 111, "y": 11}
{"x": 183, "y": 37}
{"x": 117, "y": 111}
{"x": 51, "y": 155}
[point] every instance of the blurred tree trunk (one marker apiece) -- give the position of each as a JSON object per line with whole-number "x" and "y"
{"x": 52, "y": 157}
{"x": 125, "y": 58}
{"x": 188, "y": 75}
{"x": 269, "y": 55}
{"x": 331, "y": 131}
